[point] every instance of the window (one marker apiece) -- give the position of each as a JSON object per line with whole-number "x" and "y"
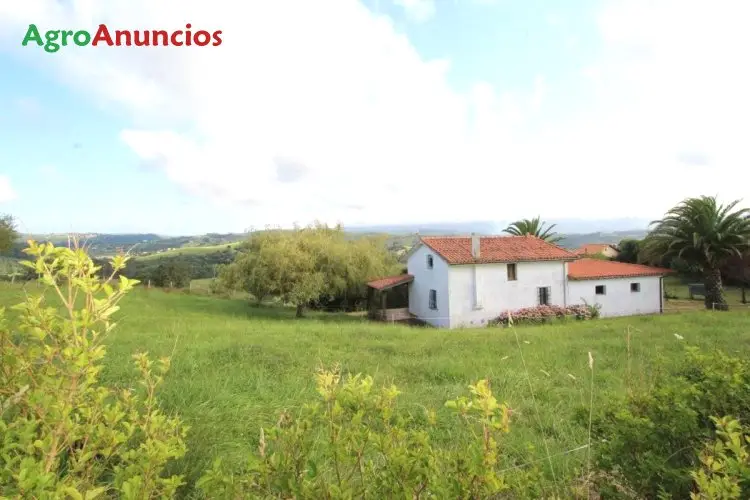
{"x": 433, "y": 299}
{"x": 512, "y": 272}
{"x": 635, "y": 287}
{"x": 429, "y": 262}
{"x": 601, "y": 290}
{"x": 543, "y": 294}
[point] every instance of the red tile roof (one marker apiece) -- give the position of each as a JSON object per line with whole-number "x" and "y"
{"x": 593, "y": 248}
{"x": 589, "y": 269}
{"x": 457, "y": 250}
{"x": 390, "y": 281}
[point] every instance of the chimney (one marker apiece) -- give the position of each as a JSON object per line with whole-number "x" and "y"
{"x": 475, "y": 245}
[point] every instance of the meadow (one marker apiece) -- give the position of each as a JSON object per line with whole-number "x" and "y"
{"x": 189, "y": 250}
{"x": 235, "y": 367}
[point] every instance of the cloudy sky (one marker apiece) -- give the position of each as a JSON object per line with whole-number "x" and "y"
{"x": 372, "y": 111}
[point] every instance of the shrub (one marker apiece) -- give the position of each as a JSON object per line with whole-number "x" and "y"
{"x": 353, "y": 443}
{"x": 543, "y": 314}
{"x": 651, "y": 442}
{"x": 62, "y": 433}
{"x": 725, "y": 463}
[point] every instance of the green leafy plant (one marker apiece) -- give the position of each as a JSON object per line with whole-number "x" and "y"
{"x": 725, "y": 463}
{"x": 651, "y": 442}
{"x": 62, "y": 433}
{"x": 354, "y": 443}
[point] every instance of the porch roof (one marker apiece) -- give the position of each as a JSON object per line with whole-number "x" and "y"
{"x": 388, "y": 282}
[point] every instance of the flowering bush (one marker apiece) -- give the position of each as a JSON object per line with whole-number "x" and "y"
{"x": 543, "y": 314}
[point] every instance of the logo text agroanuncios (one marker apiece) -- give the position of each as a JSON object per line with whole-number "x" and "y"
{"x": 53, "y": 40}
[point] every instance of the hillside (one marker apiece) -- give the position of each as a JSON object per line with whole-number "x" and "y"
{"x": 577, "y": 231}
{"x": 138, "y": 244}
{"x": 202, "y": 252}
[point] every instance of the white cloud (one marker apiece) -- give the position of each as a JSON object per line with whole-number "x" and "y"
{"x": 417, "y": 10}
{"x": 676, "y": 87}
{"x": 322, "y": 110}
{"x": 6, "y": 190}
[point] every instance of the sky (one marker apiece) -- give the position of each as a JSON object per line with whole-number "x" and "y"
{"x": 372, "y": 112}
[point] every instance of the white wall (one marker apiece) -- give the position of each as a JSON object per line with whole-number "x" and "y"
{"x": 619, "y": 300}
{"x": 424, "y": 280}
{"x": 496, "y": 294}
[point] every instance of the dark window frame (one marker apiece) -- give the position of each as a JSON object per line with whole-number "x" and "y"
{"x": 512, "y": 276}
{"x": 430, "y": 261}
{"x": 432, "y": 300}
{"x": 543, "y": 295}
{"x": 635, "y": 287}
{"x": 603, "y": 290}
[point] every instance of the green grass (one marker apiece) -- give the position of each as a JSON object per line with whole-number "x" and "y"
{"x": 677, "y": 287}
{"x": 236, "y": 367}
{"x": 189, "y": 251}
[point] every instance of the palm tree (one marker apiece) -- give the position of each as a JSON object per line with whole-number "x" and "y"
{"x": 534, "y": 227}
{"x": 703, "y": 233}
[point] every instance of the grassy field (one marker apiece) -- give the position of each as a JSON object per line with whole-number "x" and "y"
{"x": 189, "y": 251}
{"x": 679, "y": 301}
{"x": 236, "y": 367}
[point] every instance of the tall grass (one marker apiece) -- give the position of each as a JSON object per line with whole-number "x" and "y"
{"x": 235, "y": 367}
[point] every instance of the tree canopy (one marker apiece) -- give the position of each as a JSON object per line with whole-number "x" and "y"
{"x": 705, "y": 234}
{"x": 8, "y": 233}
{"x": 629, "y": 251}
{"x": 305, "y": 265}
{"x": 534, "y": 227}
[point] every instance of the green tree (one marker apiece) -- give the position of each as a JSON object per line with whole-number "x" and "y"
{"x": 737, "y": 270}
{"x": 256, "y": 268}
{"x": 8, "y": 233}
{"x": 306, "y": 265}
{"x": 172, "y": 274}
{"x": 629, "y": 251}
{"x": 534, "y": 227}
{"x": 705, "y": 234}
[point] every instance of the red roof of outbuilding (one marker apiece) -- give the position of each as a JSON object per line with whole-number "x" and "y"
{"x": 588, "y": 269}
{"x": 390, "y": 281}
{"x": 457, "y": 250}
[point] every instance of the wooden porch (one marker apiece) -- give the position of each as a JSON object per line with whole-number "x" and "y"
{"x": 388, "y": 298}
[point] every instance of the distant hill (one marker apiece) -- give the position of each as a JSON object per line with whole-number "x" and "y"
{"x": 573, "y": 241}
{"x": 138, "y": 244}
{"x": 563, "y": 226}
{"x": 576, "y": 232}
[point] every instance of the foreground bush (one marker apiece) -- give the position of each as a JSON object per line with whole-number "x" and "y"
{"x": 653, "y": 443}
{"x": 354, "y": 444}
{"x": 543, "y": 314}
{"x": 63, "y": 434}
{"x": 725, "y": 463}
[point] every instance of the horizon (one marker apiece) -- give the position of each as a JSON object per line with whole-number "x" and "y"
{"x": 395, "y": 229}
{"x": 385, "y": 112}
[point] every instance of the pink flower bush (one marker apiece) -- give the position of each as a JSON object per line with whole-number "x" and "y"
{"x": 543, "y": 314}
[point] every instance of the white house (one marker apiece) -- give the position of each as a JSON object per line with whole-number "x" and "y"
{"x": 468, "y": 281}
